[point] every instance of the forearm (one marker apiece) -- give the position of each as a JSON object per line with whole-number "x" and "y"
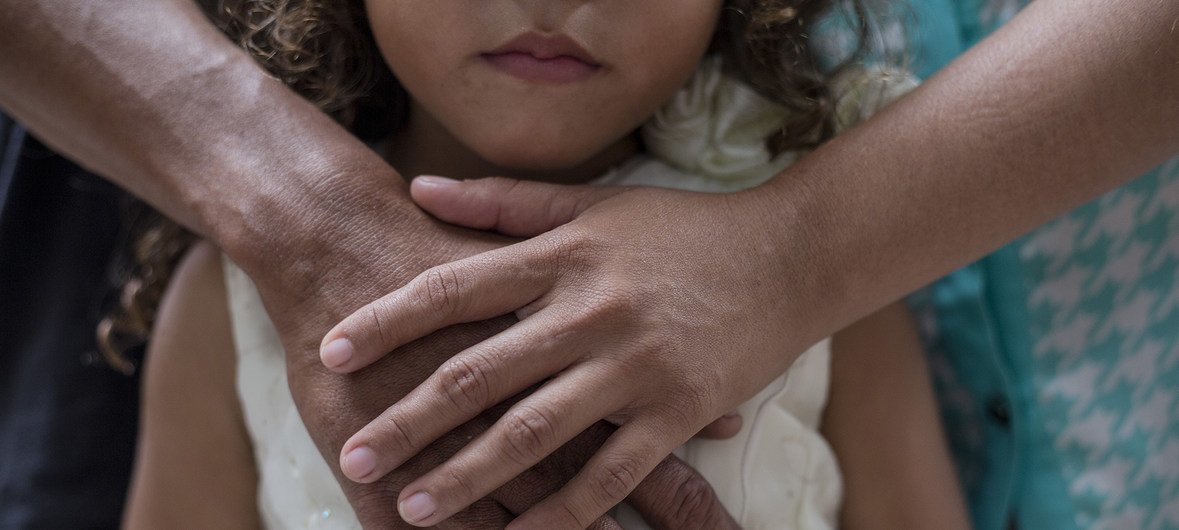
{"x": 147, "y": 93}
{"x": 150, "y": 95}
{"x": 1065, "y": 102}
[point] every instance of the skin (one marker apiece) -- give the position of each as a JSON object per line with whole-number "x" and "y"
{"x": 191, "y": 422}
{"x": 471, "y": 115}
{"x": 193, "y": 451}
{"x": 881, "y": 422}
{"x": 881, "y": 419}
{"x": 1069, "y": 117}
{"x": 1038, "y": 118}
{"x": 470, "y": 118}
{"x": 150, "y": 95}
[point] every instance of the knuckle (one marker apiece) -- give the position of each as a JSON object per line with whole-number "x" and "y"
{"x": 376, "y": 312}
{"x": 614, "y": 301}
{"x": 685, "y": 407}
{"x": 605, "y": 307}
{"x": 464, "y": 382}
{"x": 458, "y": 484}
{"x": 575, "y": 519}
{"x": 616, "y": 479}
{"x": 572, "y": 251}
{"x": 691, "y": 393}
{"x": 393, "y": 434}
{"x": 440, "y": 290}
{"x": 529, "y": 432}
{"x": 676, "y": 416}
{"x": 694, "y": 504}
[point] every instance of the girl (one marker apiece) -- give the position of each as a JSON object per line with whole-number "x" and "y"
{"x": 557, "y": 91}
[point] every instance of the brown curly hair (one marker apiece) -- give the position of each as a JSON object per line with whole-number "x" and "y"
{"x": 324, "y": 50}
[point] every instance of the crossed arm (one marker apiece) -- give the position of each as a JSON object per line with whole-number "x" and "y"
{"x": 1067, "y": 101}
{"x": 148, "y": 94}
{"x": 195, "y": 465}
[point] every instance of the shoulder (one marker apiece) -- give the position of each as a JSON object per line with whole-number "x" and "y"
{"x": 193, "y": 451}
{"x": 191, "y": 339}
{"x": 191, "y": 346}
{"x": 198, "y": 280}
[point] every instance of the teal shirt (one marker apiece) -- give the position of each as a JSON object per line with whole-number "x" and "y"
{"x": 1057, "y": 358}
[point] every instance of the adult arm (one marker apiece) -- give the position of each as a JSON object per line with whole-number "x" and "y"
{"x": 148, "y": 94}
{"x": 1068, "y": 100}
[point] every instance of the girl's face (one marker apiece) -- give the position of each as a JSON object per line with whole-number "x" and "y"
{"x": 541, "y": 84}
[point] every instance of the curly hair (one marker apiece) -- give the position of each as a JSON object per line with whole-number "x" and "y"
{"x": 764, "y": 43}
{"x": 324, "y": 50}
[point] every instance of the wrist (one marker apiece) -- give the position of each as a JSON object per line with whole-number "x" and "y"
{"x": 296, "y": 220}
{"x": 261, "y": 170}
{"x": 802, "y": 249}
{"x": 272, "y": 180}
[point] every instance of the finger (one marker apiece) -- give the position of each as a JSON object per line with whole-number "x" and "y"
{"x": 508, "y": 206}
{"x": 473, "y": 381}
{"x": 545, "y": 478}
{"x": 606, "y": 480}
{"x": 539, "y": 481}
{"x": 676, "y": 496}
{"x": 530, "y": 431}
{"x": 722, "y": 428}
{"x": 478, "y": 288}
{"x": 483, "y": 514}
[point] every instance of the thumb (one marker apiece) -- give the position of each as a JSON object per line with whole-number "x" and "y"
{"x": 508, "y": 206}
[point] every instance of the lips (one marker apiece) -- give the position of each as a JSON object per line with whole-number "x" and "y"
{"x": 538, "y": 58}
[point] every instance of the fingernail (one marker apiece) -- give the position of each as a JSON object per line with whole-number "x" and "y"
{"x": 434, "y": 180}
{"x": 358, "y": 463}
{"x": 336, "y": 353}
{"x": 731, "y": 414}
{"x": 417, "y": 507}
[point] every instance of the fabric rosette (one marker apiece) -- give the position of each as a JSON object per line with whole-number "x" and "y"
{"x": 716, "y": 127}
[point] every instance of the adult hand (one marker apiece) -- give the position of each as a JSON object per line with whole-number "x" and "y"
{"x": 654, "y": 309}
{"x": 177, "y": 114}
{"x": 381, "y": 244}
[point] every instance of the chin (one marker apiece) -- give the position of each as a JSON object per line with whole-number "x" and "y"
{"x": 535, "y": 152}
{"x": 545, "y": 147}
{"x": 532, "y": 162}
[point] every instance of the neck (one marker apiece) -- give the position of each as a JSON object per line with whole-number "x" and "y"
{"x": 425, "y": 147}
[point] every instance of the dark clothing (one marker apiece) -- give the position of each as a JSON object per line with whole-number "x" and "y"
{"x": 67, "y": 420}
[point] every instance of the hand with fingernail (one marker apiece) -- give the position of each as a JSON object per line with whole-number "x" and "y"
{"x": 604, "y": 344}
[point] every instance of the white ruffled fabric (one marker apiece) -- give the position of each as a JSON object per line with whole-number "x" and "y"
{"x": 861, "y": 92}
{"x": 777, "y": 473}
{"x": 716, "y": 127}
{"x": 296, "y": 488}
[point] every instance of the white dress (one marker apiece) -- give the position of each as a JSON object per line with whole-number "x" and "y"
{"x": 777, "y": 473}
